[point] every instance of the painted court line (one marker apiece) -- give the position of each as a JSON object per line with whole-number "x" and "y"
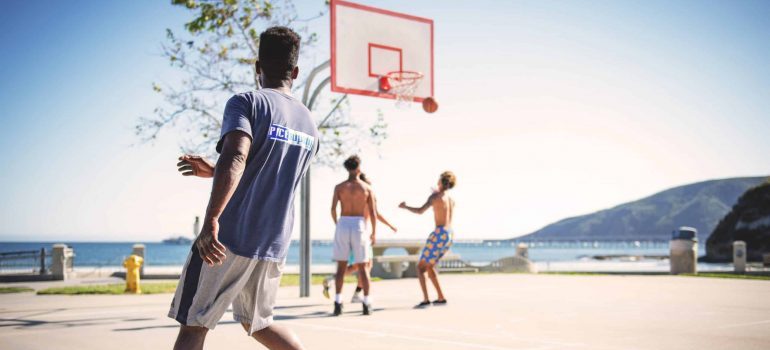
{"x": 740, "y": 325}
{"x": 118, "y": 311}
{"x": 415, "y": 338}
{"x": 479, "y": 334}
{"x": 555, "y": 343}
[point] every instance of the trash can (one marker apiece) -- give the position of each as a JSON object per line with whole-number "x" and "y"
{"x": 522, "y": 250}
{"x": 739, "y": 256}
{"x": 684, "y": 251}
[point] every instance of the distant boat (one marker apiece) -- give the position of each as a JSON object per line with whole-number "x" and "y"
{"x": 178, "y": 240}
{"x": 182, "y": 240}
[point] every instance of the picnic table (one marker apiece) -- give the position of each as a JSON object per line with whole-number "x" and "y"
{"x": 395, "y": 263}
{"x": 412, "y": 247}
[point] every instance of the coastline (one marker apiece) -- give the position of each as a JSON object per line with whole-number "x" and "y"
{"x": 655, "y": 267}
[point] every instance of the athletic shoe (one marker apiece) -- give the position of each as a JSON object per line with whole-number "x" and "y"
{"x": 367, "y": 309}
{"x": 356, "y": 298}
{"x": 439, "y": 302}
{"x": 337, "y": 309}
{"x": 422, "y": 305}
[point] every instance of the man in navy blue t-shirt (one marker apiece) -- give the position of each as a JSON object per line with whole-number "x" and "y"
{"x": 267, "y": 142}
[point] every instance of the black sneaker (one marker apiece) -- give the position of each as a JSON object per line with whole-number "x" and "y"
{"x": 439, "y": 302}
{"x": 337, "y": 309}
{"x": 422, "y": 305}
{"x": 367, "y": 309}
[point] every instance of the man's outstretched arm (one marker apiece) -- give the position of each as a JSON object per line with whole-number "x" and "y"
{"x": 418, "y": 210}
{"x": 382, "y": 219}
{"x": 385, "y": 221}
{"x": 227, "y": 175}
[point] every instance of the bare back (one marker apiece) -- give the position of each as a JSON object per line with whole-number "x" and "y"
{"x": 443, "y": 208}
{"x": 353, "y": 196}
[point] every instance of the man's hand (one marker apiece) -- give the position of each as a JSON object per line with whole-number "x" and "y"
{"x": 209, "y": 248}
{"x": 395, "y": 230}
{"x": 230, "y": 167}
{"x": 373, "y": 238}
{"x": 190, "y": 165}
{"x": 402, "y": 205}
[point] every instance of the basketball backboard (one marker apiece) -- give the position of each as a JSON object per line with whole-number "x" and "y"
{"x": 367, "y": 43}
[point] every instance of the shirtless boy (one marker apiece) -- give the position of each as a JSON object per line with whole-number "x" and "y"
{"x": 356, "y": 198}
{"x": 352, "y": 267}
{"x": 440, "y": 239}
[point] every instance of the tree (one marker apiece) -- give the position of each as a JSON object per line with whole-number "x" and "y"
{"x": 216, "y": 57}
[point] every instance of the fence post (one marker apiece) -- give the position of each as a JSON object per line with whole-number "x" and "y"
{"x": 59, "y": 261}
{"x": 42, "y": 261}
{"x": 739, "y": 256}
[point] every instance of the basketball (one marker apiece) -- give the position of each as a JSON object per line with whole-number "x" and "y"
{"x": 384, "y": 83}
{"x": 429, "y": 105}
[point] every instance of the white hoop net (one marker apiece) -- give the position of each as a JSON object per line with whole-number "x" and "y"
{"x": 403, "y": 85}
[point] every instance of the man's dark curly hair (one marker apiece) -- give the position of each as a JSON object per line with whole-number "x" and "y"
{"x": 352, "y": 163}
{"x": 278, "y": 52}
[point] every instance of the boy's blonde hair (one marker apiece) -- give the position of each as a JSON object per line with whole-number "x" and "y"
{"x": 448, "y": 180}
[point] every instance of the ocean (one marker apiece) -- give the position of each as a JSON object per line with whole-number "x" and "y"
{"x": 106, "y": 254}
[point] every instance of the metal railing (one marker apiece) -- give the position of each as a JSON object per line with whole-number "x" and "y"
{"x": 454, "y": 264}
{"x": 25, "y": 262}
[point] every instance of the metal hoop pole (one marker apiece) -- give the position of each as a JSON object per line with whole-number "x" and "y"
{"x": 309, "y": 80}
{"x": 305, "y": 246}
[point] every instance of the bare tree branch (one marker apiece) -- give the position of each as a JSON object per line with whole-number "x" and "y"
{"x": 217, "y": 55}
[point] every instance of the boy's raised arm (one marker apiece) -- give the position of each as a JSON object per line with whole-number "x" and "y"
{"x": 418, "y": 210}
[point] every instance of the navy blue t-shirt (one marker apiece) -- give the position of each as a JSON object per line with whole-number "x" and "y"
{"x": 257, "y": 221}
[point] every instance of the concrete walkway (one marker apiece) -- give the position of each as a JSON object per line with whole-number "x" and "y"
{"x": 484, "y": 312}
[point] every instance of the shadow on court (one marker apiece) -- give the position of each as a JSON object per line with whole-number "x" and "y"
{"x": 29, "y": 323}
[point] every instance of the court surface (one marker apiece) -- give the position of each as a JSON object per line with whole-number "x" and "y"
{"x": 499, "y": 311}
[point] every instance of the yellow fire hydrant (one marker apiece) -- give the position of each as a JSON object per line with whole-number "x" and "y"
{"x": 132, "y": 265}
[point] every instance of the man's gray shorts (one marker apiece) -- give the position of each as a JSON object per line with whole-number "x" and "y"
{"x": 350, "y": 238}
{"x": 204, "y": 292}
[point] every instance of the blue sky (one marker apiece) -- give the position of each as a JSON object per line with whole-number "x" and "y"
{"x": 548, "y": 109}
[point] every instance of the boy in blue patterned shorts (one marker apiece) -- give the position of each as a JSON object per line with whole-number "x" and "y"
{"x": 440, "y": 239}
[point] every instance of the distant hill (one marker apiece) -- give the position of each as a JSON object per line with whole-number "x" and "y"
{"x": 748, "y": 221}
{"x": 700, "y": 205}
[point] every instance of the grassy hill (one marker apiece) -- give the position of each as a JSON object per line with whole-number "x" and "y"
{"x": 700, "y": 205}
{"x": 748, "y": 221}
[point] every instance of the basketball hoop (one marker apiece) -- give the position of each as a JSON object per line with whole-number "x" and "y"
{"x": 401, "y": 84}
{"x": 370, "y": 58}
